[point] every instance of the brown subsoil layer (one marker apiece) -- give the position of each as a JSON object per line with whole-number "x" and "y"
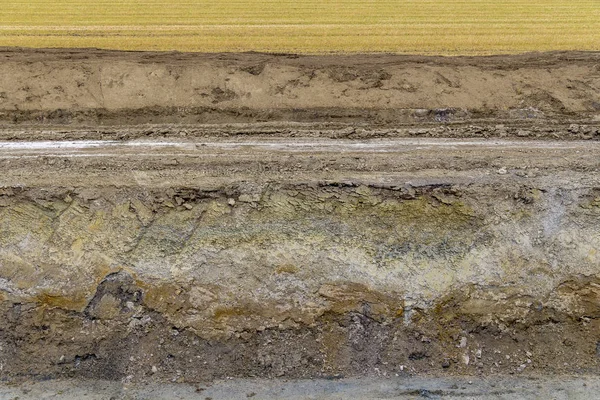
{"x": 99, "y": 88}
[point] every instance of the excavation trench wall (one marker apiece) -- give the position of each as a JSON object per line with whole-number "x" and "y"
{"x": 230, "y": 249}
{"x": 98, "y": 87}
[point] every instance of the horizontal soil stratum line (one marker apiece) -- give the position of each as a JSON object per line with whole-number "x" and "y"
{"x": 183, "y": 219}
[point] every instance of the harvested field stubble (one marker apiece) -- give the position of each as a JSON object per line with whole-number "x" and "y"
{"x": 440, "y": 27}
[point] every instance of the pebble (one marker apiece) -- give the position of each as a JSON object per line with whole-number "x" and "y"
{"x": 419, "y": 112}
{"x": 502, "y": 171}
{"x": 574, "y": 128}
{"x": 231, "y": 202}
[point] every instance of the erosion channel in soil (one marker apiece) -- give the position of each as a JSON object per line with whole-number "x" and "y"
{"x": 173, "y": 217}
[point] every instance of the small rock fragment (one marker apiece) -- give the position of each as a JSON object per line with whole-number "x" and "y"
{"x": 419, "y": 112}
{"x": 574, "y": 128}
{"x": 247, "y": 198}
{"x": 231, "y": 202}
{"x": 144, "y": 213}
{"x": 502, "y": 171}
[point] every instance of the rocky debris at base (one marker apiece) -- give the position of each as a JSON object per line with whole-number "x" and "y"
{"x": 581, "y": 387}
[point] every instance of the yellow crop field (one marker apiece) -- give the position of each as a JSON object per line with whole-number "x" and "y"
{"x": 306, "y": 26}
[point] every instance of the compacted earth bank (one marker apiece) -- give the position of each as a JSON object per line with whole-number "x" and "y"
{"x": 170, "y": 218}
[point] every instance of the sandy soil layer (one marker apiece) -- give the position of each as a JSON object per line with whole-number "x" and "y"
{"x": 391, "y": 388}
{"x": 88, "y": 87}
